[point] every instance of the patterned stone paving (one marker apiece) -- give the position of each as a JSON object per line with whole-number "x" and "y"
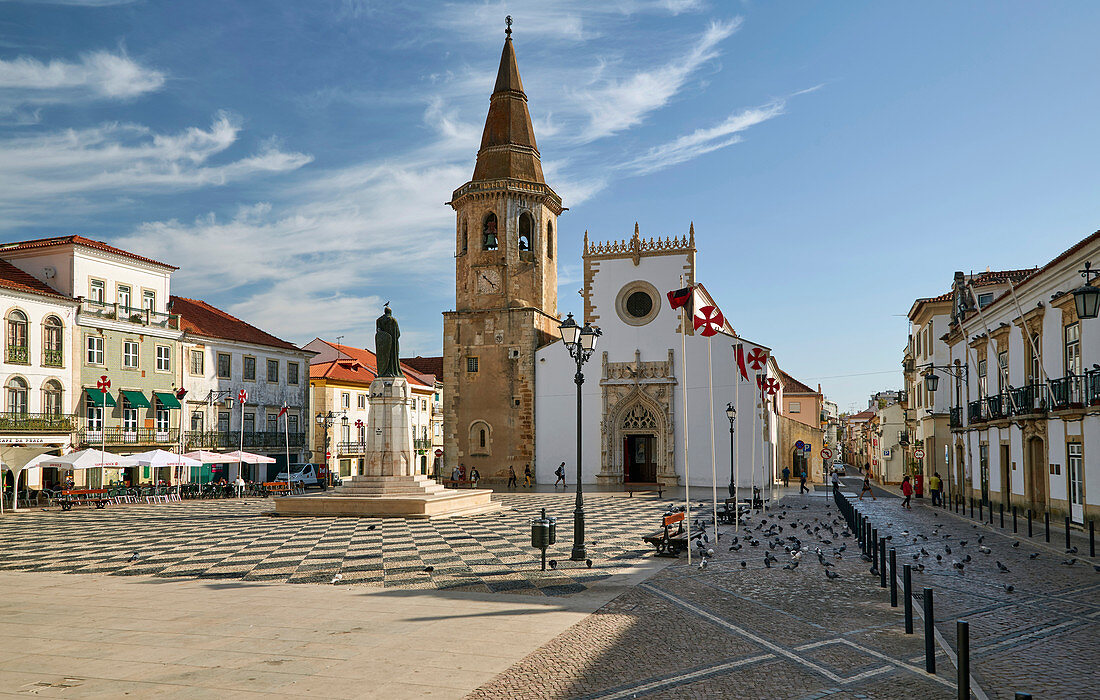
{"x": 733, "y": 630}
{"x": 239, "y": 540}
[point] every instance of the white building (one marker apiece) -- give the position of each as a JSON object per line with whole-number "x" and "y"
{"x": 889, "y": 456}
{"x": 38, "y": 371}
{"x": 222, "y": 356}
{"x": 1025, "y": 413}
{"x": 634, "y": 419}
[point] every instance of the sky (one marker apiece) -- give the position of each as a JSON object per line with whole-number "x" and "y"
{"x": 838, "y": 160}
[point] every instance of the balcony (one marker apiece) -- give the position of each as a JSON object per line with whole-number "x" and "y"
{"x": 351, "y": 448}
{"x": 130, "y": 314}
{"x": 1068, "y": 392}
{"x": 974, "y": 412}
{"x": 19, "y": 354}
{"x": 956, "y": 417}
{"x": 122, "y": 436}
{"x": 995, "y": 406}
{"x": 231, "y": 440}
{"x": 36, "y": 423}
{"x": 422, "y": 444}
{"x": 1092, "y": 387}
{"x": 1029, "y": 399}
{"x": 53, "y": 358}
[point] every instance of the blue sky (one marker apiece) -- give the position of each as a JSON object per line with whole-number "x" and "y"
{"x": 293, "y": 158}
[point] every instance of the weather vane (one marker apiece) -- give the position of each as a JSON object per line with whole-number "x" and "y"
{"x": 508, "y": 21}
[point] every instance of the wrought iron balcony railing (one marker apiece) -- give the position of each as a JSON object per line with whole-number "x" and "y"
{"x": 1068, "y": 392}
{"x": 351, "y": 448}
{"x": 53, "y": 358}
{"x": 231, "y": 440}
{"x": 1092, "y": 386}
{"x": 956, "y": 417}
{"x": 36, "y": 422}
{"x": 123, "y": 436}
{"x": 132, "y": 314}
{"x": 19, "y": 354}
{"x": 974, "y": 412}
{"x": 422, "y": 443}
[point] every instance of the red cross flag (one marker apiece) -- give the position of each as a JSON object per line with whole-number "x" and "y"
{"x": 283, "y": 410}
{"x": 104, "y": 383}
{"x": 242, "y": 396}
{"x": 749, "y": 356}
{"x": 359, "y": 423}
{"x": 771, "y": 385}
{"x": 710, "y": 319}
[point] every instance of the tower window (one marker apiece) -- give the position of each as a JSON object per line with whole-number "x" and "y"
{"x": 482, "y": 438}
{"x": 464, "y": 242}
{"x": 471, "y": 364}
{"x": 526, "y": 224}
{"x": 550, "y": 240}
{"x": 489, "y": 234}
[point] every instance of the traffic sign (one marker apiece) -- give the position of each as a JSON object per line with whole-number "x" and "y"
{"x": 886, "y": 452}
{"x": 438, "y": 452}
{"x": 826, "y": 453}
{"x": 807, "y": 447}
{"x": 918, "y": 453}
{"x": 799, "y": 445}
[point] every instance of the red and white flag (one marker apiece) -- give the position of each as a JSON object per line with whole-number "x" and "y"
{"x": 680, "y": 297}
{"x": 283, "y": 410}
{"x": 749, "y": 356}
{"x": 710, "y": 319}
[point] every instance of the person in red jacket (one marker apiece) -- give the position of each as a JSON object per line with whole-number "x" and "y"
{"x": 907, "y": 491}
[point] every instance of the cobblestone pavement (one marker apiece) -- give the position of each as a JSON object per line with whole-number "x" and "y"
{"x": 238, "y": 540}
{"x": 749, "y": 631}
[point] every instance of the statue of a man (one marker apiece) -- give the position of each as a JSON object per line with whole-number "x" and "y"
{"x": 386, "y": 346}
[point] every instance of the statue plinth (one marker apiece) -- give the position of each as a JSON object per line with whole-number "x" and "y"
{"x": 389, "y": 429}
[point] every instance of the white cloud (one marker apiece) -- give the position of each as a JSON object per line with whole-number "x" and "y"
{"x": 99, "y": 75}
{"x": 127, "y": 158}
{"x": 703, "y": 141}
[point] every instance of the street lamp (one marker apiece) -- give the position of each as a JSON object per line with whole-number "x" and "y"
{"x": 1087, "y": 297}
{"x": 580, "y": 342}
{"x": 326, "y": 421}
{"x": 731, "y": 413}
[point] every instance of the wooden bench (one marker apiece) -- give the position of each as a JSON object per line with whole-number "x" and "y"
{"x": 668, "y": 543}
{"x": 276, "y": 487}
{"x": 730, "y": 509}
{"x": 458, "y": 483}
{"x": 72, "y": 497}
{"x": 631, "y": 487}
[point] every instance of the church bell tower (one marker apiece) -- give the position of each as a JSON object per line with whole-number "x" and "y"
{"x": 506, "y": 300}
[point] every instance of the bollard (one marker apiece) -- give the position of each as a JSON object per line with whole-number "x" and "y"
{"x": 1092, "y": 541}
{"x": 1067, "y": 534}
{"x": 1001, "y": 508}
{"x": 1023, "y": 696}
{"x": 893, "y": 578}
{"x": 971, "y": 507}
{"x": 1013, "y": 520}
{"x": 1046, "y": 520}
{"x": 962, "y": 639}
{"x": 929, "y": 633}
{"x": 872, "y": 550}
{"x": 907, "y": 591}
{"x": 882, "y": 563}
{"x": 981, "y": 502}
{"x": 991, "y": 513}
{"x": 1029, "y": 522}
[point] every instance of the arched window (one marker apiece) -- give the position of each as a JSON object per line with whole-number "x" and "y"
{"x": 51, "y": 398}
{"x": 17, "y": 395}
{"x": 526, "y": 225}
{"x": 53, "y": 351}
{"x": 489, "y": 233}
{"x": 17, "y": 337}
{"x": 482, "y": 432}
{"x": 550, "y": 240}
{"x": 481, "y": 438}
{"x": 464, "y": 242}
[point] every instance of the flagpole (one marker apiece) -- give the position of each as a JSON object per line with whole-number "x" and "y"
{"x": 286, "y": 434}
{"x": 736, "y": 462}
{"x": 240, "y": 453}
{"x": 683, "y": 365}
{"x": 752, "y": 453}
{"x": 713, "y": 476}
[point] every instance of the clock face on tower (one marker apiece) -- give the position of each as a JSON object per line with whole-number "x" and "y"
{"x": 488, "y": 280}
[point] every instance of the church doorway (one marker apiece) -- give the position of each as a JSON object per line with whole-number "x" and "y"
{"x": 798, "y": 464}
{"x": 640, "y": 459}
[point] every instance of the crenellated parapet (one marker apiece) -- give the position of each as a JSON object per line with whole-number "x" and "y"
{"x": 637, "y": 247}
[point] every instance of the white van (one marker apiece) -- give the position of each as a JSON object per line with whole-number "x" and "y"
{"x": 304, "y": 474}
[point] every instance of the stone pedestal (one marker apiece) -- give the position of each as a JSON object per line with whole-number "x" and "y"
{"x": 389, "y": 489}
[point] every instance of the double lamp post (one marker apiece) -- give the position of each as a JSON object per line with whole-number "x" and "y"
{"x": 581, "y": 343}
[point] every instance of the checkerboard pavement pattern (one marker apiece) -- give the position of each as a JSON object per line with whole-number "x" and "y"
{"x": 239, "y": 540}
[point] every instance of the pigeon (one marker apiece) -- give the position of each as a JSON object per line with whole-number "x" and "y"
{"x": 1015, "y": 544}
{"x": 946, "y": 549}
{"x": 1070, "y": 562}
{"x": 1002, "y": 567}
{"x": 588, "y": 563}
{"x": 767, "y": 562}
{"x": 1071, "y": 550}
{"x": 1033, "y": 556}
{"x": 924, "y": 551}
{"x": 553, "y": 563}
{"x": 985, "y": 550}
{"x": 981, "y": 539}
{"x": 371, "y": 527}
{"x": 792, "y": 566}
{"x": 1008, "y": 587}
{"x": 1096, "y": 568}
{"x": 703, "y": 564}
{"x": 709, "y": 553}
{"x": 916, "y": 557}
{"x": 939, "y": 558}
{"x": 336, "y": 578}
{"x": 134, "y": 557}
{"x": 429, "y": 569}
{"x": 967, "y": 560}
{"x": 831, "y": 575}
{"x": 958, "y": 565}
{"x": 920, "y": 567}
{"x": 742, "y": 564}
{"x": 962, "y": 543}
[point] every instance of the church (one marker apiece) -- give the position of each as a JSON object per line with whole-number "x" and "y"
{"x": 655, "y": 395}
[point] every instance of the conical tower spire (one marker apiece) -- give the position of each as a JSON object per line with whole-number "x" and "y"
{"x": 508, "y": 148}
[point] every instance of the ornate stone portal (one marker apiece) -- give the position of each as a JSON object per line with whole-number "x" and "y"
{"x": 637, "y": 403}
{"x": 389, "y": 488}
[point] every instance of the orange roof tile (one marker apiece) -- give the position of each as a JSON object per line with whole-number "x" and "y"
{"x": 79, "y": 240}
{"x": 428, "y": 366}
{"x": 11, "y": 277}
{"x": 360, "y": 365}
{"x": 793, "y": 386}
{"x": 199, "y": 318}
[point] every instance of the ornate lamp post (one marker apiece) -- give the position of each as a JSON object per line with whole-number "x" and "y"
{"x": 326, "y": 421}
{"x": 731, "y": 413}
{"x": 581, "y": 343}
{"x": 1087, "y": 297}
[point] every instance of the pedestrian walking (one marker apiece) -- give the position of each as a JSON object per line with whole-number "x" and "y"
{"x": 935, "y": 485}
{"x": 475, "y": 476}
{"x": 511, "y": 477}
{"x": 560, "y": 473}
{"x": 786, "y": 476}
{"x": 802, "y": 485}
{"x": 240, "y": 486}
{"x": 836, "y": 481}
{"x": 867, "y": 487}
{"x": 907, "y": 491}
{"x": 527, "y": 475}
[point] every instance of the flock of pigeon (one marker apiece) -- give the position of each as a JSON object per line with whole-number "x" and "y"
{"x": 782, "y": 530}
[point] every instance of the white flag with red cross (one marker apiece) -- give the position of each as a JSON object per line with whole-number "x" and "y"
{"x": 750, "y": 357}
{"x": 710, "y": 320}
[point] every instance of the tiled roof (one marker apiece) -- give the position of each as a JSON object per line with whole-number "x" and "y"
{"x": 983, "y": 279}
{"x": 360, "y": 365}
{"x": 11, "y": 277}
{"x": 793, "y": 386}
{"x": 202, "y": 319}
{"x": 426, "y": 365}
{"x": 78, "y": 240}
{"x": 862, "y": 415}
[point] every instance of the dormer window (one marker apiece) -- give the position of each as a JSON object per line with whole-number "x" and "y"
{"x": 489, "y": 239}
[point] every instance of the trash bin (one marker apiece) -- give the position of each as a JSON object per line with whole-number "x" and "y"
{"x": 544, "y": 532}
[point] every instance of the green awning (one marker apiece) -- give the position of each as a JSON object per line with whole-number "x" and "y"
{"x": 136, "y": 399}
{"x": 167, "y": 399}
{"x": 96, "y": 397}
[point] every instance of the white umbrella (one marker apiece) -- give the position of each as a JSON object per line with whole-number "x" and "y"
{"x": 247, "y": 458}
{"x": 88, "y": 459}
{"x": 34, "y": 463}
{"x": 208, "y": 457}
{"x": 163, "y": 458}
